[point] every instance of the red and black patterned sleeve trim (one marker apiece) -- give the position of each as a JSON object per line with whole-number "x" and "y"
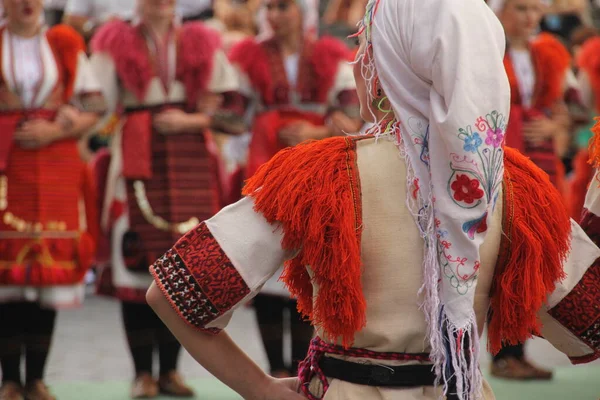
{"x": 579, "y": 311}
{"x": 199, "y": 280}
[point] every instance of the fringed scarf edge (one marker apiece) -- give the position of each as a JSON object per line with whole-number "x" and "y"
{"x": 534, "y": 246}
{"x": 594, "y": 146}
{"x": 313, "y": 191}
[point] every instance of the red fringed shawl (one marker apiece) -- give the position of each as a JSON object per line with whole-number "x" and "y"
{"x": 322, "y": 58}
{"x": 533, "y": 248}
{"x": 67, "y": 45}
{"x": 551, "y": 60}
{"x": 125, "y": 43}
{"x": 594, "y": 148}
{"x": 313, "y": 190}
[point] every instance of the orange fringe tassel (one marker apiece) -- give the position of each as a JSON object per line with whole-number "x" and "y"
{"x": 314, "y": 192}
{"x": 594, "y": 146}
{"x": 536, "y": 242}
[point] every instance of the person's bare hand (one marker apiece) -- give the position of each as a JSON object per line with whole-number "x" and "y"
{"x": 299, "y": 132}
{"x": 341, "y": 124}
{"x": 539, "y": 130}
{"x": 283, "y": 389}
{"x": 171, "y": 122}
{"x": 66, "y": 116}
{"x": 37, "y": 133}
{"x": 210, "y": 102}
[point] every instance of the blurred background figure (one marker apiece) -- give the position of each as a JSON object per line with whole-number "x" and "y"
{"x": 537, "y": 69}
{"x": 195, "y": 10}
{"x": 295, "y": 87}
{"x": 562, "y": 17}
{"x": 54, "y": 11}
{"x": 236, "y": 19}
{"x": 171, "y": 83}
{"x": 585, "y": 47}
{"x": 48, "y": 228}
{"x": 86, "y": 16}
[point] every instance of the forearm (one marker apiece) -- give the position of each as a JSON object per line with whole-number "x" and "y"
{"x": 80, "y": 125}
{"x": 218, "y": 354}
{"x": 322, "y": 132}
{"x": 196, "y": 122}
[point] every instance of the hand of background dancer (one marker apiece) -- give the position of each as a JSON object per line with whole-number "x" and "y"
{"x": 66, "y": 116}
{"x": 539, "y": 130}
{"x": 209, "y": 103}
{"x": 299, "y": 132}
{"x": 341, "y": 124}
{"x": 37, "y": 133}
{"x": 171, "y": 122}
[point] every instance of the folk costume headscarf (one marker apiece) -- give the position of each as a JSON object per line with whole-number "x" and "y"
{"x": 448, "y": 89}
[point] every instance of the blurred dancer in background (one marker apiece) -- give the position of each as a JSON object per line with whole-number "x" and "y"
{"x": 538, "y": 126}
{"x": 49, "y": 224}
{"x": 86, "y": 16}
{"x": 588, "y": 64}
{"x": 398, "y": 247}
{"x": 297, "y": 87}
{"x": 170, "y": 80}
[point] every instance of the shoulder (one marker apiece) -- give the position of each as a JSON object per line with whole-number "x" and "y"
{"x": 65, "y": 36}
{"x": 112, "y": 35}
{"x": 307, "y": 162}
{"x": 199, "y": 30}
{"x": 589, "y": 56}
{"x": 245, "y": 48}
{"x": 551, "y": 50}
{"x": 199, "y": 39}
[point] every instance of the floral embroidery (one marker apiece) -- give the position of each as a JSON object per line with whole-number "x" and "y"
{"x": 476, "y": 177}
{"x": 466, "y": 189}
{"x": 473, "y": 142}
{"x": 495, "y": 137}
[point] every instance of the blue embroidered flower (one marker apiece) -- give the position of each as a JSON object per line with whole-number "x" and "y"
{"x": 473, "y": 142}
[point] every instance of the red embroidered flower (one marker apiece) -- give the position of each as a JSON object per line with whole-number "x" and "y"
{"x": 483, "y": 225}
{"x": 466, "y": 190}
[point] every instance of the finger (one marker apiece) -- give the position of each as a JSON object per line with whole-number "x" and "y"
{"x": 29, "y": 144}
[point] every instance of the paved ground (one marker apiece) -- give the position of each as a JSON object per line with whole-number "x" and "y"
{"x": 90, "y": 361}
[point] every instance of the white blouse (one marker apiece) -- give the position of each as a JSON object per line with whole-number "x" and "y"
{"x": 27, "y": 67}
{"x": 523, "y": 66}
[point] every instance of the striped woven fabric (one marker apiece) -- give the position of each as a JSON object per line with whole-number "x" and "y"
{"x": 182, "y": 187}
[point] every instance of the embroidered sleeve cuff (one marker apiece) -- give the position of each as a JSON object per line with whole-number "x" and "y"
{"x": 199, "y": 280}
{"x": 579, "y": 313}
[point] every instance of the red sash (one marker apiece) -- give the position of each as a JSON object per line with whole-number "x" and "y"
{"x": 136, "y": 140}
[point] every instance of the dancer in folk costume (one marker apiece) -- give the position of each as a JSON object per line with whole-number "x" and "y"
{"x": 588, "y": 62}
{"x": 169, "y": 80}
{"x": 538, "y": 127}
{"x": 297, "y": 87}
{"x": 48, "y": 224}
{"x": 537, "y": 68}
{"x": 396, "y": 260}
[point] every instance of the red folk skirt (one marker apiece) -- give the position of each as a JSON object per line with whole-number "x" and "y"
{"x": 179, "y": 185}
{"x": 42, "y": 239}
